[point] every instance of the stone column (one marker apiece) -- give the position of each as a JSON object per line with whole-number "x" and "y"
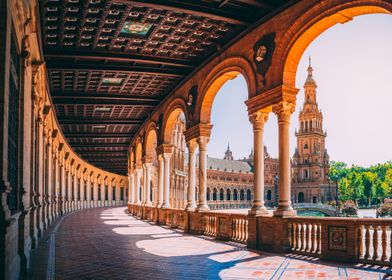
{"x": 103, "y": 197}
{"x": 69, "y": 194}
{"x": 166, "y": 180}
{"x": 160, "y": 180}
{"x": 63, "y": 182}
{"x": 131, "y": 183}
{"x": 147, "y": 188}
{"x": 202, "y": 203}
{"x": 143, "y": 188}
{"x": 75, "y": 200}
{"x": 48, "y": 182}
{"x": 82, "y": 194}
{"x": 95, "y": 192}
{"x": 258, "y": 121}
{"x": 118, "y": 194}
{"x": 110, "y": 193}
{"x": 283, "y": 111}
{"x": 192, "y": 145}
{"x": 137, "y": 185}
{"x": 88, "y": 187}
{"x": 56, "y": 181}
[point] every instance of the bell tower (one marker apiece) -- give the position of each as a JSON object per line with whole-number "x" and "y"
{"x": 310, "y": 160}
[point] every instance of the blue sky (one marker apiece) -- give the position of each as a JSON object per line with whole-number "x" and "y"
{"x": 352, "y": 65}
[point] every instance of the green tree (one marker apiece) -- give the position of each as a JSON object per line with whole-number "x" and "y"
{"x": 368, "y": 180}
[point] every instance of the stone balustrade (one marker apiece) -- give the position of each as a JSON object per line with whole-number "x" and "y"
{"x": 354, "y": 240}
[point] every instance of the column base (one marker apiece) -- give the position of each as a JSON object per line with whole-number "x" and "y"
{"x": 191, "y": 207}
{"x": 166, "y": 206}
{"x": 202, "y": 208}
{"x": 282, "y": 213}
{"x": 262, "y": 211}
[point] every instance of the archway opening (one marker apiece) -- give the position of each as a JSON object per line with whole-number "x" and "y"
{"x": 340, "y": 84}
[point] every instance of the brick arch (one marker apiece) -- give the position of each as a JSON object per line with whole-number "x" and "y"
{"x": 309, "y": 26}
{"x": 151, "y": 142}
{"x": 174, "y": 109}
{"x": 226, "y": 70}
{"x": 138, "y": 151}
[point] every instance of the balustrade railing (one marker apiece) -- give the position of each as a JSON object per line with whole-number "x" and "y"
{"x": 375, "y": 241}
{"x": 305, "y": 236}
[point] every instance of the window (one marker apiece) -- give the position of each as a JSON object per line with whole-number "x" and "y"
{"x": 306, "y": 146}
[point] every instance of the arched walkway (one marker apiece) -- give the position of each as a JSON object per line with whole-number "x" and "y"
{"x": 110, "y": 244}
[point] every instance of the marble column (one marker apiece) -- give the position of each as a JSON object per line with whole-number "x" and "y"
{"x": 95, "y": 192}
{"x": 69, "y": 193}
{"x": 258, "y": 121}
{"x": 88, "y": 187}
{"x": 283, "y": 111}
{"x": 147, "y": 188}
{"x": 103, "y": 193}
{"x": 137, "y": 185}
{"x": 82, "y": 192}
{"x": 192, "y": 145}
{"x": 160, "y": 180}
{"x": 118, "y": 194}
{"x": 166, "y": 180}
{"x": 63, "y": 187}
{"x": 110, "y": 193}
{"x": 75, "y": 200}
{"x": 131, "y": 182}
{"x": 56, "y": 185}
{"x": 202, "y": 203}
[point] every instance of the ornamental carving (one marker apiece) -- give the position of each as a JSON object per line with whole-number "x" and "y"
{"x": 337, "y": 238}
{"x": 283, "y": 111}
{"x": 263, "y": 51}
{"x": 258, "y": 119}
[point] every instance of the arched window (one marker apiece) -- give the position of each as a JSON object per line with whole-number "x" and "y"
{"x": 235, "y": 195}
{"x": 221, "y": 195}
{"x": 248, "y": 195}
{"x": 214, "y": 194}
{"x": 306, "y": 146}
{"x": 208, "y": 194}
{"x": 269, "y": 195}
{"x": 301, "y": 197}
{"x": 242, "y": 195}
{"x": 228, "y": 195}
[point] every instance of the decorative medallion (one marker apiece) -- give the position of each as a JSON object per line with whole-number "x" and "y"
{"x": 136, "y": 28}
{"x": 337, "y": 238}
{"x": 112, "y": 81}
{"x": 263, "y": 51}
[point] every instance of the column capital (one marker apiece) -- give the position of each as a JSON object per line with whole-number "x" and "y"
{"x": 259, "y": 118}
{"x": 203, "y": 141}
{"x": 283, "y": 111}
{"x": 192, "y": 145}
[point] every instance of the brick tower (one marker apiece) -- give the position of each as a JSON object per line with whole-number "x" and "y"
{"x": 310, "y": 161}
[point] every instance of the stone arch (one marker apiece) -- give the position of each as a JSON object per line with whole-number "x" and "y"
{"x": 310, "y": 25}
{"x": 228, "y": 69}
{"x": 175, "y": 108}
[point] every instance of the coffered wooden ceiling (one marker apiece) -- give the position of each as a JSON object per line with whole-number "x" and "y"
{"x": 111, "y": 62}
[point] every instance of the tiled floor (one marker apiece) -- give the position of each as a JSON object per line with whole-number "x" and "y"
{"x": 110, "y": 244}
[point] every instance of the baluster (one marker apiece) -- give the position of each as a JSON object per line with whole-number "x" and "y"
{"x": 390, "y": 244}
{"x": 298, "y": 238}
{"x": 384, "y": 243}
{"x": 293, "y": 236}
{"x": 247, "y": 227}
{"x": 360, "y": 241}
{"x": 319, "y": 239}
{"x": 307, "y": 247}
{"x": 367, "y": 243}
{"x": 303, "y": 228}
{"x": 240, "y": 230}
{"x": 313, "y": 238}
{"x": 375, "y": 243}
